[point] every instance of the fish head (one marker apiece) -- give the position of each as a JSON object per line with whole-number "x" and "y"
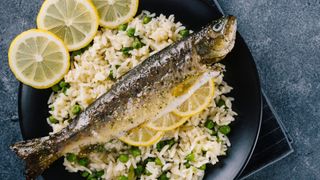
{"x": 217, "y": 39}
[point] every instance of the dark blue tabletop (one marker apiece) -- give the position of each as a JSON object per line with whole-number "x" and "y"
{"x": 284, "y": 37}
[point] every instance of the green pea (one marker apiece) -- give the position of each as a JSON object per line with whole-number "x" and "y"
{"x": 225, "y": 129}
{"x": 184, "y": 33}
{"x": 146, "y": 19}
{"x": 139, "y": 170}
{"x": 203, "y": 167}
{"x": 209, "y": 124}
{"x": 85, "y": 174}
{"x": 123, "y": 27}
{"x": 55, "y": 88}
{"x": 84, "y": 161}
{"x": 135, "y": 151}
{"x": 123, "y": 158}
{"x": 163, "y": 177}
{"x": 53, "y": 120}
{"x": 71, "y": 157}
{"x": 221, "y": 103}
{"x": 158, "y": 162}
{"x": 136, "y": 44}
{"x": 190, "y": 157}
{"x": 122, "y": 178}
{"x": 131, "y": 31}
{"x": 76, "y": 109}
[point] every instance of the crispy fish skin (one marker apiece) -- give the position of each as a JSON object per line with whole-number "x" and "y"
{"x": 139, "y": 95}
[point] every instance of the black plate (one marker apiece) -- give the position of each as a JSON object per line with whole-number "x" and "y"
{"x": 241, "y": 75}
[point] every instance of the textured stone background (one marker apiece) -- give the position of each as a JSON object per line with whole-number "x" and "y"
{"x": 284, "y": 37}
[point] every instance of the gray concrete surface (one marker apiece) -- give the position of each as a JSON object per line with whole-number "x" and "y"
{"x": 284, "y": 37}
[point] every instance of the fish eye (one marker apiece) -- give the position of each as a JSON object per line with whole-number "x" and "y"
{"x": 217, "y": 27}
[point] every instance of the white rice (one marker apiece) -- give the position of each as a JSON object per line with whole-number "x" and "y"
{"x": 89, "y": 79}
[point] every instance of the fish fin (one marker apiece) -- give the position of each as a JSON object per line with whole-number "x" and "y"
{"x": 37, "y": 153}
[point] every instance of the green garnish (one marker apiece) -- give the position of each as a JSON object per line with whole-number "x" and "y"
{"x": 163, "y": 176}
{"x": 76, "y": 109}
{"x": 84, "y": 161}
{"x": 71, "y": 157}
{"x": 85, "y": 174}
{"x": 123, "y": 158}
{"x": 53, "y": 120}
{"x": 162, "y": 144}
{"x": 126, "y": 50}
{"x": 203, "y": 167}
{"x": 146, "y": 19}
{"x": 187, "y": 164}
{"x": 122, "y": 177}
{"x": 225, "y": 129}
{"x": 136, "y": 44}
{"x": 190, "y": 157}
{"x": 158, "y": 162}
{"x": 99, "y": 173}
{"x": 221, "y": 103}
{"x": 131, "y": 175}
{"x": 117, "y": 66}
{"x": 139, "y": 170}
{"x": 63, "y": 84}
{"x": 135, "y": 151}
{"x": 55, "y": 88}
{"x": 131, "y": 31}
{"x": 184, "y": 33}
{"x": 209, "y": 124}
{"x": 123, "y": 27}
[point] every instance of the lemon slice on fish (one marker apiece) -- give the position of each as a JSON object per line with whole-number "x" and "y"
{"x": 38, "y": 58}
{"x": 142, "y": 136}
{"x": 116, "y": 12}
{"x": 74, "y": 21}
{"x": 198, "y": 101}
{"x": 166, "y": 122}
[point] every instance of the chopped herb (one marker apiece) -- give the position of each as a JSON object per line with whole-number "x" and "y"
{"x": 63, "y": 84}
{"x": 147, "y": 173}
{"x": 163, "y": 176}
{"x": 221, "y": 103}
{"x": 209, "y": 124}
{"x": 71, "y": 157}
{"x": 123, "y": 158}
{"x": 53, "y": 120}
{"x": 225, "y": 129}
{"x": 187, "y": 164}
{"x": 64, "y": 90}
{"x": 139, "y": 170}
{"x": 123, "y": 27}
{"x": 190, "y": 157}
{"x": 76, "y": 109}
{"x": 146, "y": 19}
{"x": 184, "y": 33}
{"x": 214, "y": 133}
{"x": 122, "y": 178}
{"x": 91, "y": 177}
{"x": 131, "y": 31}
{"x": 84, "y": 161}
{"x": 126, "y": 50}
{"x": 203, "y": 167}
{"x": 117, "y": 66}
{"x": 111, "y": 76}
{"x": 135, "y": 151}
{"x": 149, "y": 159}
{"x": 55, "y": 88}
{"x": 85, "y": 174}
{"x": 162, "y": 144}
{"x": 99, "y": 148}
{"x": 99, "y": 173}
{"x": 158, "y": 162}
{"x": 131, "y": 175}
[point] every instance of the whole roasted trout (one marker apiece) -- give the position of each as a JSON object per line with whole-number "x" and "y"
{"x": 141, "y": 94}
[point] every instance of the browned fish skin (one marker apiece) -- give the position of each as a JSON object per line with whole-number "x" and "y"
{"x": 137, "y": 96}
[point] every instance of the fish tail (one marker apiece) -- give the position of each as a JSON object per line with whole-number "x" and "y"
{"x": 38, "y": 155}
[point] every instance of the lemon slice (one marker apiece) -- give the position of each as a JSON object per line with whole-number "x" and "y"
{"x": 142, "y": 136}
{"x": 74, "y": 21}
{"x": 198, "y": 101}
{"x": 38, "y": 58}
{"x": 115, "y": 12}
{"x": 166, "y": 122}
